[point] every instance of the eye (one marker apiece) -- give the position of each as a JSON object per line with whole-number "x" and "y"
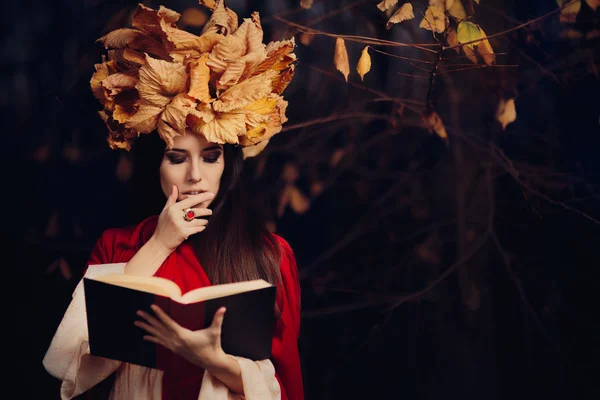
{"x": 212, "y": 158}
{"x": 175, "y": 158}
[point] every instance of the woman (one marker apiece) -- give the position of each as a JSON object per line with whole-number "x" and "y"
{"x": 204, "y": 233}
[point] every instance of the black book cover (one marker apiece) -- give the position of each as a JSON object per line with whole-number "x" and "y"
{"x": 111, "y": 311}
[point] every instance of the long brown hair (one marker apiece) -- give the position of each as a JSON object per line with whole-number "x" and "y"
{"x": 236, "y": 245}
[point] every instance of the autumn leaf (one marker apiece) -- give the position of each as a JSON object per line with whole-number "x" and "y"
{"x": 452, "y": 40}
{"x": 340, "y": 58}
{"x": 306, "y": 4}
{"x": 364, "y": 63}
{"x": 467, "y": 32}
{"x": 435, "y": 20}
{"x": 386, "y": 4}
{"x": 457, "y": 10}
{"x": 225, "y": 128}
{"x": 506, "y": 112}
{"x": 404, "y": 13}
{"x": 194, "y": 17}
{"x": 442, "y": 4}
{"x": 145, "y": 119}
{"x": 434, "y": 124}
{"x": 594, "y": 4}
{"x": 485, "y": 49}
{"x": 306, "y": 38}
{"x": 245, "y": 92}
{"x": 569, "y": 13}
{"x": 199, "y": 78}
{"x": 159, "y": 81}
{"x": 222, "y": 21}
{"x": 210, "y": 4}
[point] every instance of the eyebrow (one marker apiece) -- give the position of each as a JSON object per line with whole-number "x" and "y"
{"x": 215, "y": 147}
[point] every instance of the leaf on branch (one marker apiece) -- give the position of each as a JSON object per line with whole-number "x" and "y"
{"x": 364, "y": 63}
{"x": 467, "y": 32}
{"x": 306, "y": 4}
{"x": 387, "y": 4}
{"x": 442, "y": 4}
{"x": 435, "y": 20}
{"x": 594, "y": 4}
{"x": 506, "y": 112}
{"x": 452, "y": 40}
{"x": 434, "y": 124}
{"x": 404, "y": 13}
{"x": 457, "y": 10}
{"x": 306, "y": 38}
{"x": 485, "y": 49}
{"x": 569, "y": 13}
{"x": 340, "y": 58}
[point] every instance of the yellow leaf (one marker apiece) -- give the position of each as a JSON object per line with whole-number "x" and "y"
{"x": 435, "y": 20}
{"x": 364, "y": 63}
{"x": 386, "y": 4}
{"x": 467, "y": 32}
{"x": 404, "y": 13}
{"x": 485, "y": 49}
{"x": 306, "y": 4}
{"x": 569, "y": 13}
{"x": 340, "y": 58}
{"x": 457, "y": 10}
{"x": 452, "y": 39}
{"x": 442, "y": 4}
{"x": 506, "y": 112}
{"x": 434, "y": 124}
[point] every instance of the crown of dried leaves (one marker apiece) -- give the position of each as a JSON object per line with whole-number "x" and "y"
{"x": 224, "y": 84}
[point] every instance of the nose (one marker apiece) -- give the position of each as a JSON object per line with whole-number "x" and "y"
{"x": 194, "y": 173}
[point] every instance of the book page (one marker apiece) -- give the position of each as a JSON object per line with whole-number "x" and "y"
{"x": 148, "y": 284}
{"x": 226, "y": 289}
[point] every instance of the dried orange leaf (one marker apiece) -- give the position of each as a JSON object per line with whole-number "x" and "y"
{"x": 245, "y": 92}
{"x": 177, "y": 111}
{"x": 364, "y": 63}
{"x": 120, "y": 38}
{"x": 225, "y": 128}
{"x": 160, "y": 80}
{"x": 253, "y": 151}
{"x": 223, "y": 20}
{"x": 210, "y": 4}
{"x": 452, "y": 39}
{"x": 470, "y": 53}
{"x": 281, "y": 81}
{"x": 306, "y": 4}
{"x": 145, "y": 120}
{"x": 103, "y": 71}
{"x": 199, "y": 78}
{"x": 435, "y": 20}
{"x": 340, "y": 58}
{"x": 148, "y": 20}
{"x": 506, "y": 112}
{"x": 404, "y": 13}
{"x": 384, "y": 5}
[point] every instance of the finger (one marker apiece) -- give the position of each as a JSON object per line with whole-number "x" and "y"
{"x": 155, "y": 323}
{"x": 201, "y": 212}
{"x": 196, "y": 223}
{"x": 148, "y": 328}
{"x": 172, "y": 199}
{"x": 165, "y": 318}
{"x": 218, "y": 318}
{"x": 195, "y": 199}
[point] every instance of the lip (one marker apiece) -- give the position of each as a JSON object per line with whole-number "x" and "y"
{"x": 189, "y": 192}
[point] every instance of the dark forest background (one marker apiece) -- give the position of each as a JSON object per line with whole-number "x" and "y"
{"x": 430, "y": 269}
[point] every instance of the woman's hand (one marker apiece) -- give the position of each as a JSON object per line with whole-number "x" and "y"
{"x": 172, "y": 229}
{"x": 202, "y": 347}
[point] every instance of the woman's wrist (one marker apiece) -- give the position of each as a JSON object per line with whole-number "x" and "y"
{"x": 227, "y": 370}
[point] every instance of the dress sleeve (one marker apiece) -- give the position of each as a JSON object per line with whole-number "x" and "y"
{"x": 285, "y": 354}
{"x": 67, "y": 357}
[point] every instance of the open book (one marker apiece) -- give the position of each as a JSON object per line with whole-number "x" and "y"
{"x": 113, "y": 300}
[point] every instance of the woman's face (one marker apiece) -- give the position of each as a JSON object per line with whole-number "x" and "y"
{"x": 194, "y": 165}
